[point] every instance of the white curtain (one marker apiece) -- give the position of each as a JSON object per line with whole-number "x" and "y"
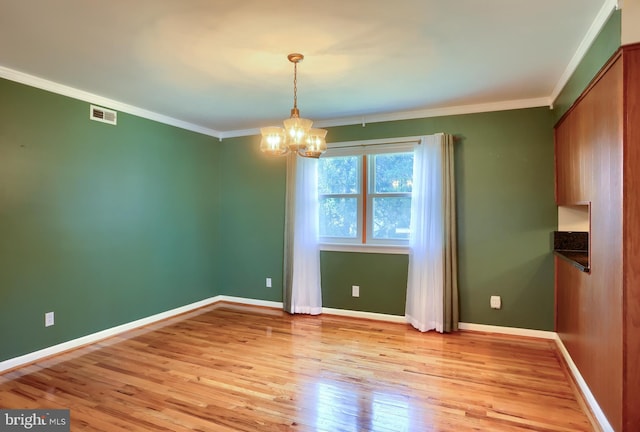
{"x": 432, "y": 289}
{"x": 302, "y": 293}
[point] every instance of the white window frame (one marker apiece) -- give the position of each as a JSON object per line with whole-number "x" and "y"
{"x": 371, "y": 195}
{"x": 366, "y": 149}
{"x": 358, "y": 196}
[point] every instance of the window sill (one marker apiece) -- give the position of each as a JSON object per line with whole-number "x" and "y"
{"x": 365, "y": 248}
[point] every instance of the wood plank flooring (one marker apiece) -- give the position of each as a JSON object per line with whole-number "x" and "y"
{"x": 237, "y": 368}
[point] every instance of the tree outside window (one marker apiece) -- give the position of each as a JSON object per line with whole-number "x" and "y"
{"x": 380, "y": 212}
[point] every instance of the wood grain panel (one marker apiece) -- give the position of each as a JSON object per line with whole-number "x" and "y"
{"x": 608, "y": 353}
{"x": 571, "y": 287}
{"x": 573, "y": 156}
{"x": 605, "y": 306}
{"x": 631, "y": 56}
{"x": 586, "y": 123}
{"x": 562, "y": 160}
{"x": 590, "y": 306}
{"x": 238, "y": 368}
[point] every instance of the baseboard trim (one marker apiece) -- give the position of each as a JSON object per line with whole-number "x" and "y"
{"x": 365, "y": 315}
{"x": 584, "y": 389}
{"x": 329, "y": 311}
{"x": 507, "y": 330}
{"x": 95, "y": 337}
{"x": 98, "y": 336}
{"x": 586, "y": 394}
{"x": 249, "y": 301}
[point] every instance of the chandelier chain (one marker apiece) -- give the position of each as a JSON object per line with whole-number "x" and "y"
{"x": 295, "y": 85}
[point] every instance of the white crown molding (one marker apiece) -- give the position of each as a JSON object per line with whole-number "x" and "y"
{"x": 82, "y": 95}
{"x": 239, "y": 133}
{"x": 600, "y": 20}
{"x": 437, "y": 112}
{"x": 414, "y": 114}
{"x": 65, "y": 90}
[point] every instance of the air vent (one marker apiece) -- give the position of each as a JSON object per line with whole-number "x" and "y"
{"x": 103, "y": 115}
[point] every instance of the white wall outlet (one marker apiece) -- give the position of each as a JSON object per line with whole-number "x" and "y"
{"x": 355, "y": 290}
{"x": 268, "y": 282}
{"x": 49, "y": 319}
{"x": 496, "y": 302}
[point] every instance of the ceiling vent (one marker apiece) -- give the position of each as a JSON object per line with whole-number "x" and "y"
{"x": 103, "y": 115}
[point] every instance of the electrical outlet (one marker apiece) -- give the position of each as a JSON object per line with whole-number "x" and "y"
{"x": 268, "y": 282}
{"x": 49, "y": 319}
{"x": 496, "y": 302}
{"x": 355, "y": 291}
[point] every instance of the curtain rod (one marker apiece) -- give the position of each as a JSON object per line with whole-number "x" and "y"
{"x": 383, "y": 141}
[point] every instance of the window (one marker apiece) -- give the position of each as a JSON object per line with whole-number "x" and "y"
{"x": 340, "y": 197}
{"x": 365, "y": 194}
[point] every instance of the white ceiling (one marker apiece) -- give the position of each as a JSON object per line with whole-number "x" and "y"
{"x": 221, "y": 64}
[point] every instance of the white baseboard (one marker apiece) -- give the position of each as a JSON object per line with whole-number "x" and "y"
{"x": 573, "y": 369}
{"x": 329, "y": 311}
{"x": 95, "y": 337}
{"x": 584, "y": 388}
{"x": 364, "y": 315}
{"x": 507, "y": 330}
{"x": 248, "y": 301}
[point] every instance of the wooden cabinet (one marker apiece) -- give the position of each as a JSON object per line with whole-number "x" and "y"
{"x": 573, "y": 155}
{"x": 566, "y": 182}
{"x": 597, "y": 161}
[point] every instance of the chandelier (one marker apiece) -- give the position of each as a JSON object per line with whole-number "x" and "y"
{"x": 297, "y": 135}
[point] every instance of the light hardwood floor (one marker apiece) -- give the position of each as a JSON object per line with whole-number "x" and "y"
{"x": 237, "y": 368}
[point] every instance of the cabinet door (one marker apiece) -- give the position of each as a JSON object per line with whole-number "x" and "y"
{"x": 573, "y": 156}
{"x": 563, "y": 168}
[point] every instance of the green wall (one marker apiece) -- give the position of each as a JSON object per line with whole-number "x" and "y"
{"x": 602, "y": 48}
{"x": 105, "y": 225}
{"x": 382, "y": 279}
{"x": 252, "y": 221}
{"x": 101, "y": 224}
{"x": 506, "y": 213}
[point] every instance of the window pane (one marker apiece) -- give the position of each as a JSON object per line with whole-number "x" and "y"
{"x": 391, "y": 218}
{"x": 393, "y": 172}
{"x": 339, "y": 217}
{"x": 338, "y": 175}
